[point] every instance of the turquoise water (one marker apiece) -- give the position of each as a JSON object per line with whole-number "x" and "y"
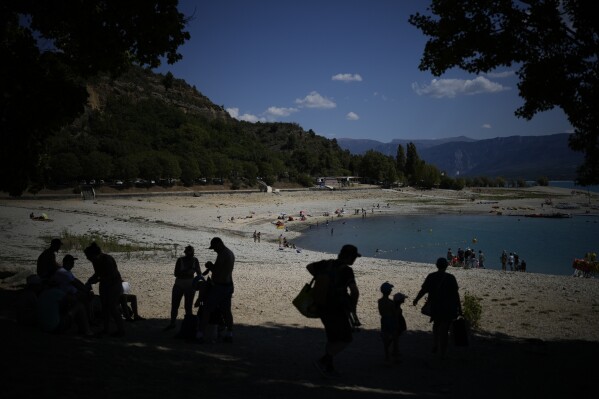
{"x": 571, "y": 185}
{"x": 547, "y": 245}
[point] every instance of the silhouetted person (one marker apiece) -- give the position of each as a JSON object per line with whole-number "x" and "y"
{"x": 220, "y": 293}
{"x": 393, "y": 324}
{"x": 442, "y": 289}
{"x": 107, "y": 274}
{"x": 186, "y": 268}
{"x": 334, "y": 304}
{"x": 129, "y": 313}
{"x": 46, "y": 262}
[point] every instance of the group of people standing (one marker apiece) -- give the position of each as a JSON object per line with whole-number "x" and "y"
{"x": 466, "y": 258}
{"x": 513, "y": 261}
{"x": 54, "y": 300}
{"x": 214, "y": 292}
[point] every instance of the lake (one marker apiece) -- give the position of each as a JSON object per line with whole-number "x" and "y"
{"x": 548, "y": 245}
{"x": 571, "y": 185}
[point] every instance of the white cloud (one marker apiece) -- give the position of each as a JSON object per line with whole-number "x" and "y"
{"x": 281, "y": 111}
{"x": 347, "y": 77}
{"x": 315, "y": 100}
{"x": 352, "y": 116}
{"x": 486, "y": 126}
{"x": 440, "y": 88}
{"x": 234, "y": 112}
{"x": 499, "y": 75}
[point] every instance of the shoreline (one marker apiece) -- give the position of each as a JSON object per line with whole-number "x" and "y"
{"x": 531, "y": 324}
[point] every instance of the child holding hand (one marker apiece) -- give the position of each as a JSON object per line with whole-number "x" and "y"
{"x": 393, "y": 324}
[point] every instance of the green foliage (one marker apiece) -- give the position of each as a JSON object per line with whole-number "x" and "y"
{"x": 53, "y": 47}
{"x": 472, "y": 310}
{"x": 543, "y": 181}
{"x": 552, "y": 43}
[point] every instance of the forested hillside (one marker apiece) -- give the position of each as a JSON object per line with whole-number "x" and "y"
{"x": 154, "y": 127}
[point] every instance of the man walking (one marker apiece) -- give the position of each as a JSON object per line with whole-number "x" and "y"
{"x": 333, "y": 280}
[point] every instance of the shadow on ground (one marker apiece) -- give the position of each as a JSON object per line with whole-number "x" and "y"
{"x": 274, "y": 361}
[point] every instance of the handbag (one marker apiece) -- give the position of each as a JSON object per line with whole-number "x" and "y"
{"x": 459, "y": 332}
{"x": 426, "y": 308}
{"x": 304, "y": 301}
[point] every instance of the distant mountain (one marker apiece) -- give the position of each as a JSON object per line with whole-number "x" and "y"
{"x": 527, "y": 157}
{"x": 360, "y": 146}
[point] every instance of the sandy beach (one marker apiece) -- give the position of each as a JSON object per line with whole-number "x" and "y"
{"x": 539, "y": 334}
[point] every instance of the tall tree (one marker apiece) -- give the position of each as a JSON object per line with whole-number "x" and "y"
{"x": 553, "y": 43}
{"x": 49, "y": 48}
{"x": 412, "y": 162}
{"x": 400, "y": 160}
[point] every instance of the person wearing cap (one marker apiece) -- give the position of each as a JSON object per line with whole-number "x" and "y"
{"x": 107, "y": 274}
{"x": 64, "y": 278}
{"x": 221, "y": 292}
{"x": 46, "y": 262}
{"x": 66, "y": 281}
{"x": 333, "y": 279}
{"x": 186, "y": 268}
{"x": 442, "y": 289}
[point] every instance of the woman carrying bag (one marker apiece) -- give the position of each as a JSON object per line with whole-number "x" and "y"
{"x": 442, "y": 289}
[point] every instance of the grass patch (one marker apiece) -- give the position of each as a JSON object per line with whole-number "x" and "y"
{"x": 109, "y": 244}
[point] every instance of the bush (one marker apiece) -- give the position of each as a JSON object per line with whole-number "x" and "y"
{"x": 472, "y": 310}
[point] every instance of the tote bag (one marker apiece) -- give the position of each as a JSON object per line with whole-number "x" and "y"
{"x": 305, "y": 299}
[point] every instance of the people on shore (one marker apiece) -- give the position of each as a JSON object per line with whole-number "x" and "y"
{"x": 481, "y": 259}
{"x": 442, "y": 289}
{"x": 333, "y": 279}
{"x": 503, "y": 260}
{"x": 107, "y": 274}
{"x": 221, "y": 291}
{"x": 46, "y": 262}
{"x": 510, "y": 261}
{"x": 186, "y": 268}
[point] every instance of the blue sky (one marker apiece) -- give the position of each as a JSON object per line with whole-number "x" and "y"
{"x": 345, "y": 69}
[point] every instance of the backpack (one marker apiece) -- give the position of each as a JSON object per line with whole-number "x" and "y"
{"x": 329, "y": 290}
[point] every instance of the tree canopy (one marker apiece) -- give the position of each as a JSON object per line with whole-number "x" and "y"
{"x": 50, "y": 47}
{"x": 554, "y": 44}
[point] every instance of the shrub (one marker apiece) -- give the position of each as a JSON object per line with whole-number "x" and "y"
{"x": 472, "y": 310}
